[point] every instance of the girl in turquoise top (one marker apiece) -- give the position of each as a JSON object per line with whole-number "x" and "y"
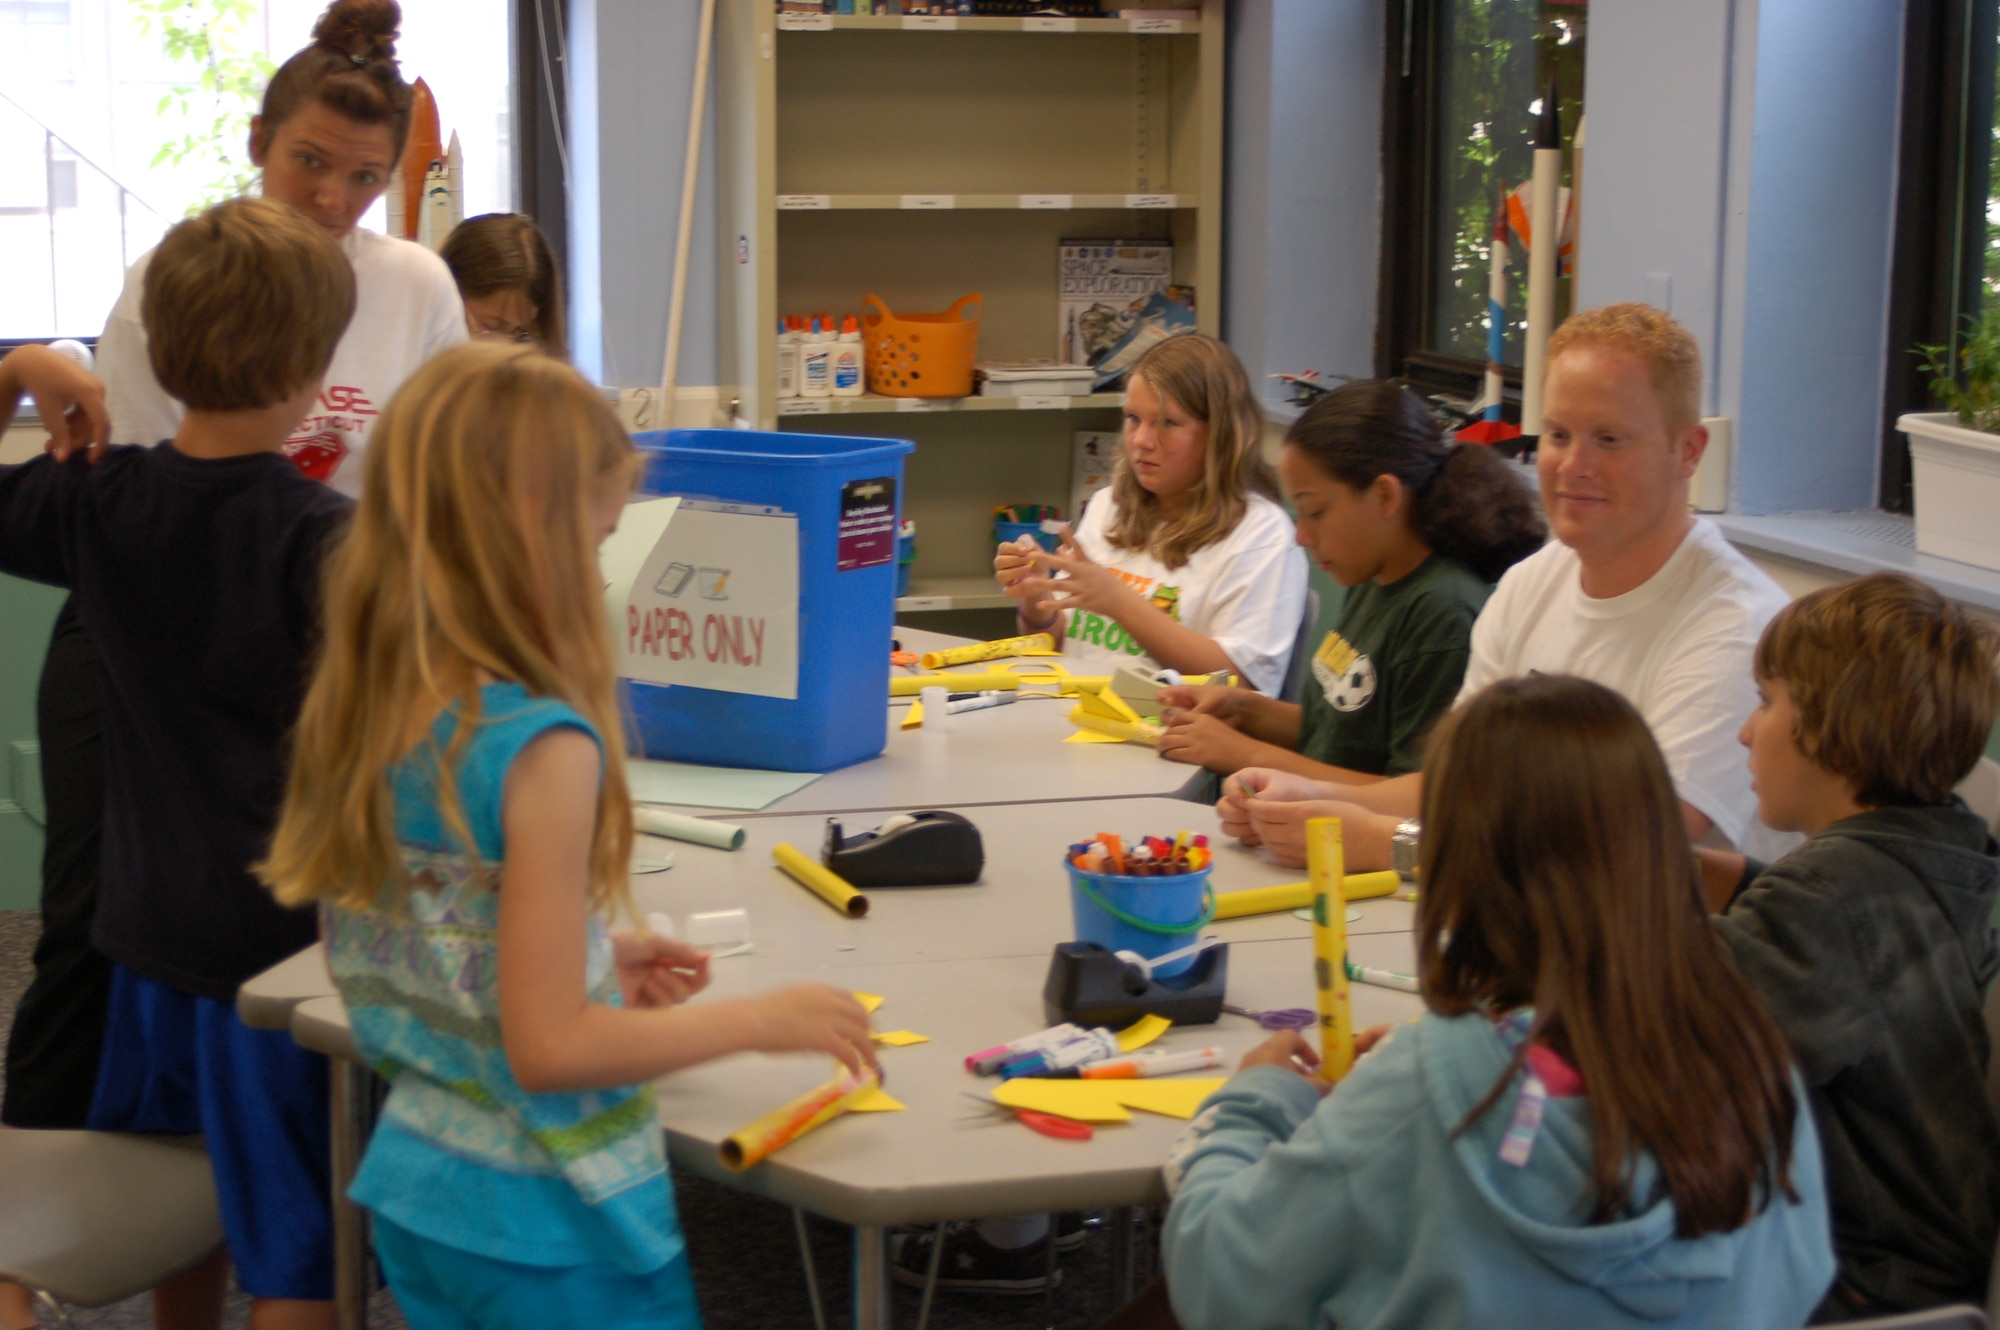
{"x": 457, "y": 806}
{"x": 1593, "y": 1123}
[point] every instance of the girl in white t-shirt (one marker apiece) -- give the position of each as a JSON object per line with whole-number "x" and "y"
{"x": 1187, "y": 561}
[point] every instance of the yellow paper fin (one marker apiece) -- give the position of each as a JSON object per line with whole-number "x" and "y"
{"x": 878, "y": 1100}
{"x": 1085, "y": 1101}
{"x": 869, "y": 1001}
{"x": 1092, "y": 737}
{"x": 1168, "y": 1096}
{"x": 900, "y": 1038}
{"x": 1142, "y": 1032}
{"x": 914, "y": 716}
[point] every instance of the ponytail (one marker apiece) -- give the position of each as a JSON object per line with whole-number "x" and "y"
{"x": 1465, "y": 502}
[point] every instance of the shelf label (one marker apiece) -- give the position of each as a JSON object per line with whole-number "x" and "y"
{"x": 804, "y": 202}
{"x": 1043, "y": 403}
{"x": 923, "y": 403}
{"x": 1048, "y": 201}
{"x": 929, "y": 202}
{"x": 1152, "y": 200}
{"x": 910, "y": 604}
{"x": 930, "y": 22}
{"x": 1047, "y": 23}
{"x": 805, "y": 23}
{"x": 805, "y": 406}
{"x": 1154, "y": 24}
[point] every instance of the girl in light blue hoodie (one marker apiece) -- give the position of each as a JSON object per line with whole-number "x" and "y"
{"x": 1593, "y": 1124}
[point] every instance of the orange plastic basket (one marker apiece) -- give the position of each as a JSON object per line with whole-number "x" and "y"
{"x": 920, "y": 355}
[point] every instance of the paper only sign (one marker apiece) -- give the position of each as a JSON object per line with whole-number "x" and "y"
{"x": 714, "y": 603}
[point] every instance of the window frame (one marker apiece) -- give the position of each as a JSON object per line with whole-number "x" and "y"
{"x": 1943, "y": 165}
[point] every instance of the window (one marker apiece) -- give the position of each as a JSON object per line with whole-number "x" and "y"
{"x": 1463, "y": 90}
{"x": 1947, "y": 240}
{"x": 106, "y": 140}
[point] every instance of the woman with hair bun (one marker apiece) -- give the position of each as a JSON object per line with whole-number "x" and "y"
{"x": 1418, "y": 528}
{"x": 333, "y": 124}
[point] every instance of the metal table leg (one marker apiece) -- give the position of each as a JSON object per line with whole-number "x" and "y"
{"x": 1123, "y": 1284}
{"x": 872, "y": 1306}
{"x": 350, "y": 1110}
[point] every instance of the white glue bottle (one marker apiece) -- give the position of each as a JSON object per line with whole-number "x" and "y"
{"x": 787, "y": 358}
{"x": 848, "y": 380}
{"x": 816, "y": 362}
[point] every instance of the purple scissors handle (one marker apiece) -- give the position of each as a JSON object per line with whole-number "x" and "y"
{"x": 1284, "y": 1018}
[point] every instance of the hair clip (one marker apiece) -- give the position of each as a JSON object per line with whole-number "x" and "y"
{"x": 357, "y": 59}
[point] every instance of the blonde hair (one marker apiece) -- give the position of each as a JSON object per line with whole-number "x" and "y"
{"x": 1671, "y": 355}
{"x": 1893, "y": 687}
{"x": 473, "y": 551}
{"x": 244, "y": 305}
{"x": 1205, "y": 379}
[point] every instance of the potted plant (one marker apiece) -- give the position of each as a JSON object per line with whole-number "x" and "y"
{"x": 1955, "y": 453}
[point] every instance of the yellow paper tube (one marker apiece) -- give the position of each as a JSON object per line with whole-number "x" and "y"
{"x": 781, "y": 1126}
{"x": 1298, "y": 895}
{"x": 978, "y": 651}
{"x": 909, "y": 685}
{"x": 1325, "y": 865}
{"x": 822, "y": 881}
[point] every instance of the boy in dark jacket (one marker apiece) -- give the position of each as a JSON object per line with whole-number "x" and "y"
{"x": 1872, "y": 944}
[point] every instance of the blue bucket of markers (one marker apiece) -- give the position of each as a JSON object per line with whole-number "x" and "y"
{"x": 1149, "y": 915}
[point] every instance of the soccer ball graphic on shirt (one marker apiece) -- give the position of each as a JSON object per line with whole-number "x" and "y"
{"x": 1345, "y": 675}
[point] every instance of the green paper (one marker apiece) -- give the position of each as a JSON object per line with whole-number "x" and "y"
{"x": 711, "y": 787}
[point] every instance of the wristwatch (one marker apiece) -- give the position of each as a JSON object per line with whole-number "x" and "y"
{"x": 1403, "y": 847}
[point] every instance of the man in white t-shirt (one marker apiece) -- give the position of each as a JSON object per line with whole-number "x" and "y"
{"x": 1635, "y": 593}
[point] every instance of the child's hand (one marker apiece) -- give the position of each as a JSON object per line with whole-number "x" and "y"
{"x": 809, "y": 1018}
{"x": 1288, "y": 1049}
{"x": 1081, "y": 583}
{"x": 1252, "y": 785}
{"x": 657, "y": 971}
{"x": 1206, "y": 741}
{"x": 1014, "y": 560}
{"x": 69, "y": 398}
{"x": 1225, "y": 704}
{"x": 1281, "y": 829}
{"x": 1365, "y": 1040}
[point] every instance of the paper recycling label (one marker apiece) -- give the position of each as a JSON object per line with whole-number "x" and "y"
{"x": 715, "y": 604}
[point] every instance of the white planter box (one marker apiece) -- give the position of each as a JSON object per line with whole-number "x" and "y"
{"x": 1957, "y": 474}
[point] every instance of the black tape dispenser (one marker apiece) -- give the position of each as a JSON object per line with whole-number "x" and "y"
{"x": 929, "y": 849}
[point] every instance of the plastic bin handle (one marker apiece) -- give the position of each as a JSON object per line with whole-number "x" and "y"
{"x": 958, "y": 307}
{"x": 871, "y": 318}
{"x": 1195, "y": 925}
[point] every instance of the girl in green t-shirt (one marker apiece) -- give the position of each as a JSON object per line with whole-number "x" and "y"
{"x": 1418, "y": 528}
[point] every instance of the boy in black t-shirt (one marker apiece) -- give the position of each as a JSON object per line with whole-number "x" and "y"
{"x": 195, "y": 568}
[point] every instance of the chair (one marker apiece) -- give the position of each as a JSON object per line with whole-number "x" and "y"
{"x": 1981, "y": 791}
{"x": 1300, "y": 668}
{"x": 1959, "y": 1317}
{"x": 88, "y": 1218}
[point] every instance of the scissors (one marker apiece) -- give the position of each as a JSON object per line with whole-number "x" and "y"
{"x": 1284, "y": 1018}
{"x": 1048, "y": 1124}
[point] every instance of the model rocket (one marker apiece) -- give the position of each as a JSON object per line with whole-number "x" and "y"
{"x": 1544, "y": 220}
{"x": 1490, "y": 428}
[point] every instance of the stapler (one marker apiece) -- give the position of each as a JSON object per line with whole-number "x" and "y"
{"x": 928, "y": 849}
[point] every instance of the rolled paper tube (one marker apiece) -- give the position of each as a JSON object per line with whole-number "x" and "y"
{"x": 822, "y": 881}
{"x": 978, "y": 651}
{"x": 1298, "y": 895}
{"x": 694, "y": 830}
{"x": 781, "y": 1126}
{"x": 1324, "y": 864}
{"x": 909, "y": 685}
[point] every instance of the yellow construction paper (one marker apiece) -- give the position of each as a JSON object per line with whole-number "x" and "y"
{"x": 909, "y": 685}
{"x": 1107, "y": 1101}
{"x": 914, "y": 716}
{"x": 1107, "y": 704}
{"x": 900, "y": 1038}
{"x": 1124, "y": 730}
{"x": 1092, "y": 737}
{"x": 869, "y": 1001}
{"x": 876, "y": 1100}
{"x": 1142, "y": 1032}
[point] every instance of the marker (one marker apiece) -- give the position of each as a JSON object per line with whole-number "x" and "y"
{"x": 1092, "y": 1046}
{"x": 1368, "y": 974}
{"x": 1158, "y": 1064}
{"x": 979, "y": 703}
{"x": 988, "y": 1061}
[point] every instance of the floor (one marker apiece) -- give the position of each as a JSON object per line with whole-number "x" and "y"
{"x": 744, "y": 1250}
